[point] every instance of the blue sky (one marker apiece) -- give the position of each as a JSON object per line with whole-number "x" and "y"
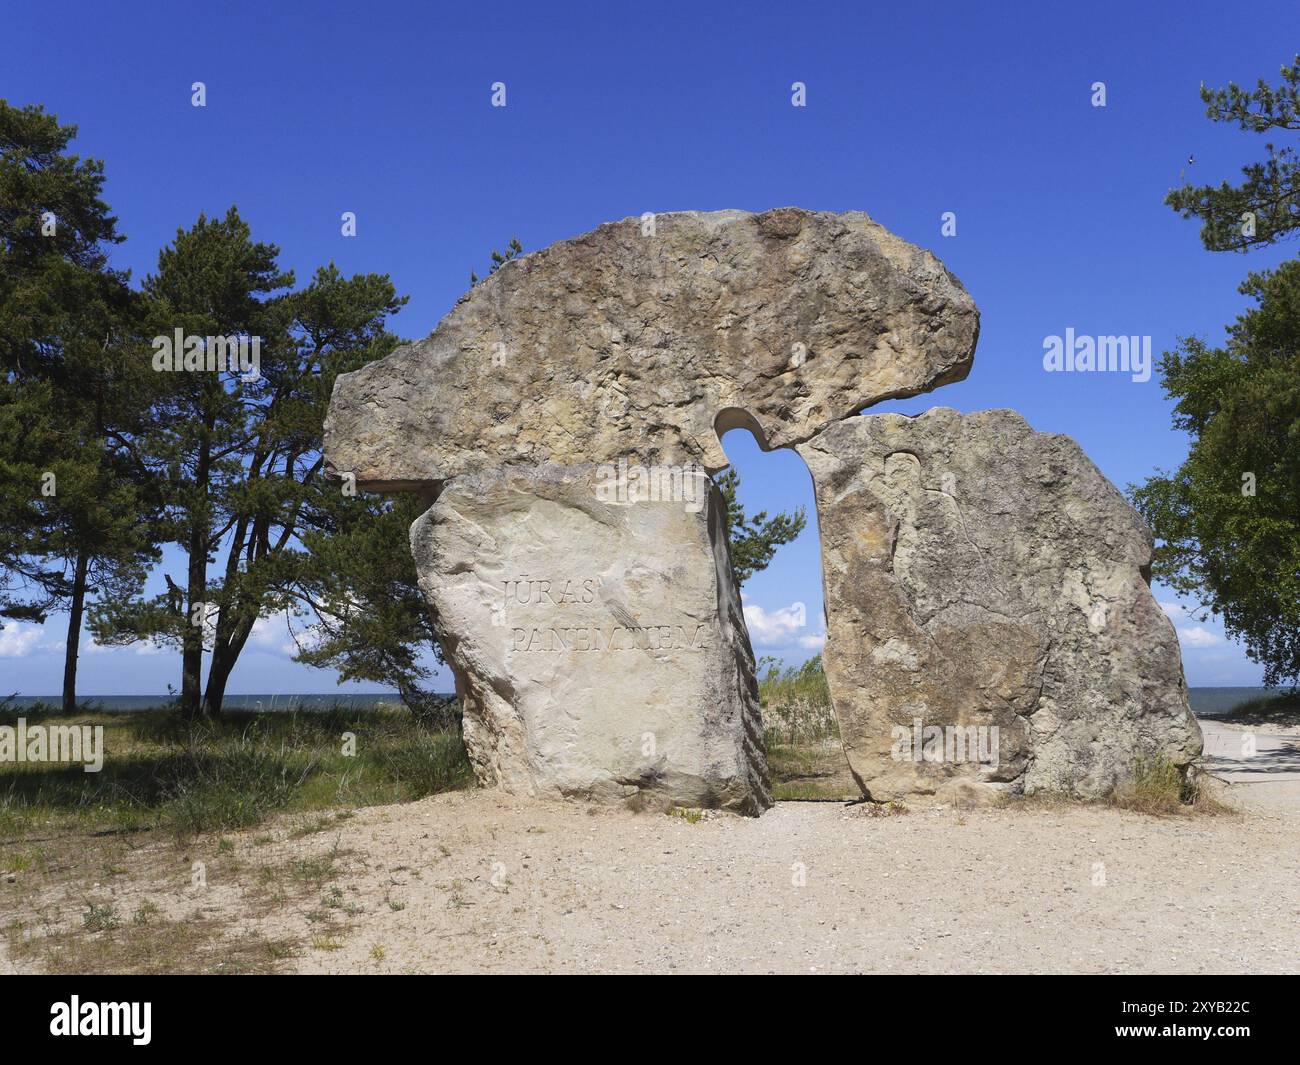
{"x": 982, "y": 110}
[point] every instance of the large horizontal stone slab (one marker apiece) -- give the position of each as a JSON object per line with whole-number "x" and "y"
{"x": 648, "y": 338}
{"x": 988, "y": 607}
{"x": 595, "y": 632}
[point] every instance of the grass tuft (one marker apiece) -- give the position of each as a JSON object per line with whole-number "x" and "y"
{"x": 1160, "y": 788}
{"x": 100, "y": 917}
{"x": 1274, "y": 708}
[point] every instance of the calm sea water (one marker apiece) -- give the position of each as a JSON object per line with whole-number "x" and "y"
{"x": 1203, "y": 700}
{"x": 1221, "y": 700}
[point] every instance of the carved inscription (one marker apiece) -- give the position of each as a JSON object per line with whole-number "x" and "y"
{"x": 524, "y": 592}
{"x": 559, "y": 634}
{"x": 609, "y": 638}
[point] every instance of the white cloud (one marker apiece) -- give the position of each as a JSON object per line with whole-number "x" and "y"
{"x": 1190, "y": 635}
{"x": 814, "y": 642}
{"x": 1198, "y": 636}
{"x": 778, "y": 628}
{"x": 20, "y": 640}
{"x": 271, "y": 636}
{"x": 1176, "y": 611}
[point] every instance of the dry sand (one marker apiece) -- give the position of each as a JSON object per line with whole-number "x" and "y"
{"x": 480, "y": 882}
{"x": 555, "y": 889}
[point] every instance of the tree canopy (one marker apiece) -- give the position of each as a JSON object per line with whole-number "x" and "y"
{"x": 1265, "y": 206}
{"x": 1227, "y": 521}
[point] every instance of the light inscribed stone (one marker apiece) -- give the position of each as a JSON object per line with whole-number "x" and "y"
{"x": 598, "y": 643}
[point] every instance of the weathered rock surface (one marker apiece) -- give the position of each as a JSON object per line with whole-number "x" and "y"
{"x": 622, "y": 342}
{"x": 598, "y": 643}
{"x": 980, "y": 574}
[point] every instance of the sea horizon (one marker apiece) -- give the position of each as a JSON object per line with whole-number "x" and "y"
{"x": 1203, "y": 700}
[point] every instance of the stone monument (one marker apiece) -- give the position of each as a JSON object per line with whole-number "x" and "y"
{"x": 984, "y": 583}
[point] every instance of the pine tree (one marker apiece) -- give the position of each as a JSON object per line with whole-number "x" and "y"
{"x": 239, "y": 448}
{"x": 71, "y": 492}
{"x": 359, "y": 581}
{"x": 1265, "y": 207}
{"x": 754, "y": 540}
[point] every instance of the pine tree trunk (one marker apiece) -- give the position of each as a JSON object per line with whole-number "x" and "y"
{"x": 74, "y": 633}
{"x": 218, "y": 673}
{"x": 192, "y": 649}
{"x": 230, "y": 641}
{"x": 196, "y": 593}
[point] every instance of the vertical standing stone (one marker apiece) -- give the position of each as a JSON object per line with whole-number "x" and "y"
{"x": 990, "y": 625}
{"x": 597, "y": 638}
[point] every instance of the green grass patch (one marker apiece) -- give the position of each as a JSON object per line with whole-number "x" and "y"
{"x": 162, "y": 771}
{"x": 148, "y": 944}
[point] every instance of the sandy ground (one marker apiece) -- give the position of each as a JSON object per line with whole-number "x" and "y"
{"x": 942, "y": 891}
{"x": 479, "y": 882}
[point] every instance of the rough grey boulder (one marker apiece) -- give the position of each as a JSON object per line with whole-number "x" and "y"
{"x": 980, "y": 575}
{"x": 597, "y": 639}
{"x": 648, "y": 339}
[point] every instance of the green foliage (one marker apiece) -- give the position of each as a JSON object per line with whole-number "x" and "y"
{"x": 1227, "y": 521}
{"x": 211, "y": 281}
{"x": 72, "y": 490}
{"x": 499, "y": 259}
{"x": 804, "y": 754}
{"x": 239, "y": 453}
{"x": 358, "y": 578}
{"x": 796, "y": 703}
{"x": 44, "y": 273}
{"x": 754, "y": 540}
{"x": 1270, "y": 190}
{"x": 1235, "y": 552}
{"x": 1274, "y": 708}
